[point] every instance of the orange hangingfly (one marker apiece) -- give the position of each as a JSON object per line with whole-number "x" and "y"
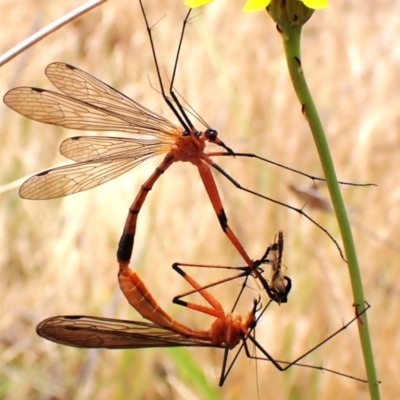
{"x": 226, "y": 332}
{"x": 89, "y": 104}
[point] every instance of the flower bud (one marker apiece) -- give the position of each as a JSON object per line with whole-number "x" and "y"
{"x": 287, "y": 13}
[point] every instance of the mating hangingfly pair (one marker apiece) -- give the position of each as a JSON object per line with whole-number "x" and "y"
{"x": 89, "y": 104}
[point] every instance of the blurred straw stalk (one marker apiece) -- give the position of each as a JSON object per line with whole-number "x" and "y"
{"x": 59, "y": 256}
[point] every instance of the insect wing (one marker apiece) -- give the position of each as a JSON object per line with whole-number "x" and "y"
{"x": 80, "y": 85}
{"x": 88, "y": 104}
{"x": 74, "y": 178}
{"x": 57, "y": 109}
{"x": 90, "y": 148}
{"x": 93, "y": 332}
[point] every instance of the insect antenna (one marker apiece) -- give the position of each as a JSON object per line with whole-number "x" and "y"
{"x": 179, "y": 111}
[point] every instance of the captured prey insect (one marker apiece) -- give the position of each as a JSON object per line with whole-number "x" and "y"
{"x": 226, "y": 332}
{"x": 279, "y": 284}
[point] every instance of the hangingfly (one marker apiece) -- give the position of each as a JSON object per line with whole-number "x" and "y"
{"x": 86, "y": 103}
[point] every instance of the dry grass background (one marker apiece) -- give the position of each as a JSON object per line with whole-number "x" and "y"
{"x": 58, "y": 257}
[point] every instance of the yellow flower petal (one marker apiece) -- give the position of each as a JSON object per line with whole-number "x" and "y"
{"x": 255, "y": 5}
{"x": 316, "y": 4}
{"x": 196, "y": 3}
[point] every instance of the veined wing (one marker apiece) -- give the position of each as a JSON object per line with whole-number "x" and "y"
{"x": 95, "y": 332}
{"x": 80, "y": 85}
{"x": 74, "y": 178}
{"x": 57, "y": 109}
{"x": 90, "y": 148}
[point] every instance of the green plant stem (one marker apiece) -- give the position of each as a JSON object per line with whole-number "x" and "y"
{"x": 291, "y": 40}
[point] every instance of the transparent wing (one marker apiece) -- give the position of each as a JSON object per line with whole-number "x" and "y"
{"x": 90, "y": 148}
{"x": 57, "y": 109}
{"x": 94, "y": 332}
{"x": 87, "y": 104}
{"x": 80, "y": 85}
{"x": 74, "y": 178}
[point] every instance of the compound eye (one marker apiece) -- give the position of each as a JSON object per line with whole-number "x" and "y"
{"x": 211, "y": 134}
